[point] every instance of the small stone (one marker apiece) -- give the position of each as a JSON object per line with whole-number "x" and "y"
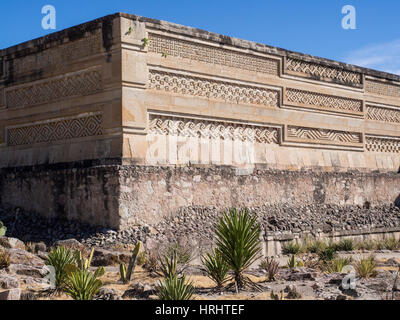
{"x": 69, "y": 243}
{"x": 8, "y": 282}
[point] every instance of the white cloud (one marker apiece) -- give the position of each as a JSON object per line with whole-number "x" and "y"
{"x": 384, "y": 57}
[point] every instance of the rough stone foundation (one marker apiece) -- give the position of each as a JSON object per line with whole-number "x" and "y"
{"x": 110, "y": 194}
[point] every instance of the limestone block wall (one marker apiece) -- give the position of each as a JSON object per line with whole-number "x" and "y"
{"x": 212, "y": 99}
{"x": 60, "y": 96}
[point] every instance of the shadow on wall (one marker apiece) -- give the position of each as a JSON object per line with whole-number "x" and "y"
{"x": 397, "y": 201}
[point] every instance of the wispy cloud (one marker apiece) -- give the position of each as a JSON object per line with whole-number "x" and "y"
{"x": 384, "y": 57}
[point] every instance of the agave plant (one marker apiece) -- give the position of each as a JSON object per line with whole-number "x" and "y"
{"x": 238, "y": 243}
{"x": 168, "y": 266}
{"x": 366, "y": 267}
{"x": 82, "y": 284}
{"x": 175, "y": 288}
{"x": 59, "y": 258}
{"x": 337, "y": 265}
{"x": 216, "y": 268}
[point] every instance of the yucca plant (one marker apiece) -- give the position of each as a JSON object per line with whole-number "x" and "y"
{"x": 366, "y": 267}
{"x": 82, "y": 284}
{"x": 168, "y": 266}
{"x": 337, "y": 265}
{"x": 315, "y": 246}
{"x": 292, "y": 248}
{"x": 345, "y": 245}
{"x": 215, "y": 267}
{"x": 238, "y": 243}
{"x": 175, "y": 288}
{"x": 271, "y": 267}
{"x": 59, "y": 258}
{"x": 327, "y": 254}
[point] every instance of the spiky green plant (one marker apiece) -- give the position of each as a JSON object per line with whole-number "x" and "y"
{"x": 215, "y": 267}
{"x": 168, "y": 266}
{"x": 327, "y": 254}
{"x": 388, "y": 244}
{"x": 82, "y": 284}
{"x": 365, "y": 245}
{"x": 59, "y": 258}
{"x": 366, "y": 267}
{"x": 337, "y": 265}
{"x": 292, "y": 248}
{"x": 315, "y": 246}
{"x": 345, "y": 245}
{"x": 238, "y": 242}
{"x": 3, "y": 229}
{"x": 175, "y": 288}
{"x": 271, "y": 267}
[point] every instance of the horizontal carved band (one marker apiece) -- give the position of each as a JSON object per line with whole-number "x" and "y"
{"x": 74, "y": 84}
{"x": 83, "y": 126}
{"x": 382, "y": 144}
{"x": 321, "y": 72}
{"x": 322, "y": 136}
{"x": 383, "y": 114}
{"x": 209, "y": 54}
{"x": 322, "y": 101}
{"x": 219, "y": 90}
{"x": 59, "y": 55}
{"x": 382, "y": 88}
{"x": 166, "y": 125}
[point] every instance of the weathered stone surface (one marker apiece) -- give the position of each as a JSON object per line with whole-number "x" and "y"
{"x": 12, "y": 294}
{"x": 21, "y": 257}
{"x": 8, "y": 282}
{"x": 69, "y": 243}
{"x": 27, "y": 270}
{"x": 103, "y": 257}
{"x": 13, "y": 243}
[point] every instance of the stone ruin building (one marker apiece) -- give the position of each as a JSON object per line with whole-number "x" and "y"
{"x": 123, "y": 120}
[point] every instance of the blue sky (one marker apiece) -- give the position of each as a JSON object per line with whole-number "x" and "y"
{"x": 308, "y": 26}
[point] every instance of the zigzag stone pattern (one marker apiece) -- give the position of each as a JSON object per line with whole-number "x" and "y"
{"x": 383, "y": 114}
{"x": 323, "y": 135}
{"x": 76, "y": 84}
{"x": 380, "y": 144}
{"x": 320, "y": 71}
{"x": 213, "y": 89}
{"x": 382, "y": 88}
{"x": 209, "y": 54}
{"x": 323, "y": 100}
{"x": 167, "y": 125}
{"x": 79, "y": 127}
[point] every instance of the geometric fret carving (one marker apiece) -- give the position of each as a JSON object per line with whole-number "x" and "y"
{"x": 209, "y": 54}
{"x": 380, "y": 144}
{"x": 316, "y": 135}
{"x": 320, "y": 72}
{"x": 168, "y": 125}
{"x": 383, "y": 114}
{"x": 74, "y": 84}
{"x": 213, "y": 89}
{"x": 382, "y": 88}
{"x": 55, "y": 130}
{"x": 59, "y": 54}
{"x": 323, "y": 101}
